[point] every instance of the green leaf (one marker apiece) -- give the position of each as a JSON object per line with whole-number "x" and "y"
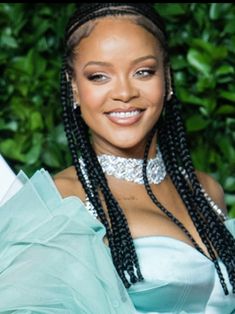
{"x": 51, "y": 157}
{"x": 19, "y": 109}
{"x": 215, "y": 11}
{"x": 12, "y": 149}
{"x": 230, "y": 27}
{"x": 58, "y": 135}
{"x": 229, "y": 184}
{"x": 32, "y": 64}
{"x": 227, "y": 95}
{"x": 199, "y": 61}
{"x": 195, "y": 123}
{"x": 200, "y": 157}
{"x": 10, "y": 126}
{"x": 8, "y": 41}
{"x": 219, "y": 53}
{"x": 173, "y": 10}
{"x": 209, "y": 105}
{"x": 203, "y": 45}
{"x": 225, "y": 109}
{"x": 22, "y": 64}
{"x": 39, "y": 64}
{"x": 178, "y": 62}
{"x": 226, "y": 147}
{"x": 205, "y": 82}
{"x": 189, "y": 98}
{"x": 36, "y": 122}
{"x": 230, "y": 199}
{"x": 225, "y": 69}
{"x": 33, "y": 154}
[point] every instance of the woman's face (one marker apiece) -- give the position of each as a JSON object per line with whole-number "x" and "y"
{"x": 119, "y": 84}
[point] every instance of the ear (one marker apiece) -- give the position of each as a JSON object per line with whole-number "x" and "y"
{"x": 169, "y": 89}
{"x": 75, "y": 91}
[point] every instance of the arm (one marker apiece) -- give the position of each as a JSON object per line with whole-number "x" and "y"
{"x": 213, "y": 189}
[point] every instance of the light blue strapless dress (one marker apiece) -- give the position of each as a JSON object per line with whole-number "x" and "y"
{"x": 178, "y": 279}
{"x": 53, "y": 261}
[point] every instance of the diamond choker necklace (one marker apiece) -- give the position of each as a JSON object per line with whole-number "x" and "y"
{"x": 131, "y": 169}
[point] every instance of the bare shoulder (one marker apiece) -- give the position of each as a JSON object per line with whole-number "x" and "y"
{"x": 212, "y": 188}
{"x": 68, "y": 184}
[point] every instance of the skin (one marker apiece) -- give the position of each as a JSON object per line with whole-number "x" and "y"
{"x": 128, "y": 78}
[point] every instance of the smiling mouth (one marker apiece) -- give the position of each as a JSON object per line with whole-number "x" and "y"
{"x": 125, "y": 114}
{"x": 125, "y": 117}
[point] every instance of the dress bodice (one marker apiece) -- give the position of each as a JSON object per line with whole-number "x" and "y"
{"x": 178, "y": 279}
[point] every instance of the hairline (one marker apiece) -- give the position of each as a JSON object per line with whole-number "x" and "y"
{"x": 86, "y": 29}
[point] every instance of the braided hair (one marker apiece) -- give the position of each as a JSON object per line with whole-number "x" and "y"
{"x": 172, "y": 142}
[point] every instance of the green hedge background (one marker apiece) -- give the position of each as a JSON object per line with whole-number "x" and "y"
{"x": 202, "y": 43}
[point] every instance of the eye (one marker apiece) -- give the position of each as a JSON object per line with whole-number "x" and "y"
{"x": 145, "y": 73}
{"x": 97, "y": 77}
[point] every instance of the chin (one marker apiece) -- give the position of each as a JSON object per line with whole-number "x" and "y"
{"x": 134, "y": 149}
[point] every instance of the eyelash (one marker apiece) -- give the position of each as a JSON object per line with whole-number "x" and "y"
{"x": 150, "y": 72}
{"x": 101, "y": 77}
{"x": 96, "y": 77}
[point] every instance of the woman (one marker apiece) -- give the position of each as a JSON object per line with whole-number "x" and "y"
{"x": 131, "y": 227}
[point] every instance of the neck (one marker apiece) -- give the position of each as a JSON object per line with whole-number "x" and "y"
{"x": 136, "y": 151}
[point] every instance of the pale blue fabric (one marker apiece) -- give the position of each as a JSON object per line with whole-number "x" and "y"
{"x": 52, "y": 256}
{"x": 53, "y": 260}
{"x": 179, "y": 279}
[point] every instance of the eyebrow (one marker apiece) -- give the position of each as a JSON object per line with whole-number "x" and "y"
{"x": 107, "y": 64}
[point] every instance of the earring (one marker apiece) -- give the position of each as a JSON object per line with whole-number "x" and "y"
{"x": 170, "y": 94}
{"x": 75, "y": 105}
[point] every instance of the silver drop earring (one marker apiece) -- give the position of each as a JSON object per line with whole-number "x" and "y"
{"x": 75, "y": 105}
{"x": 170, "y": 94}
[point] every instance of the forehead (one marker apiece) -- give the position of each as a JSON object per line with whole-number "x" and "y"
{"x": 117, "y": 34}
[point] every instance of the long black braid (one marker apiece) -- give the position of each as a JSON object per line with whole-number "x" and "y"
{"x": 211, "y": 229}
{"x": 210, "y": 237}
{"x": 174, "y": 148}
{"x": 120, "y": 240}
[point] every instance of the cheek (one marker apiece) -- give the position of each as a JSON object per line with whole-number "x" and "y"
{"x": 91, "y": 97}
{"x": 155, "y": 93}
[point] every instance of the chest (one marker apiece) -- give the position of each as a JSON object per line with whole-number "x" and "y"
{"x": 145, "y": 218}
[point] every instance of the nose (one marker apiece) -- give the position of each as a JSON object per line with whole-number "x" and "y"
{"x": 124, "y": 90}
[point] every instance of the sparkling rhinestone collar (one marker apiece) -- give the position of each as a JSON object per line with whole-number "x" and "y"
{"x": 130, "y": 169}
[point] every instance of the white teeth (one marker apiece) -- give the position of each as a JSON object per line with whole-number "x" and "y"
{"x": 126, "y": 114}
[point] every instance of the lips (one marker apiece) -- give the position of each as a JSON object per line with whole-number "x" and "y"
{"x": 125, "y": 117}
